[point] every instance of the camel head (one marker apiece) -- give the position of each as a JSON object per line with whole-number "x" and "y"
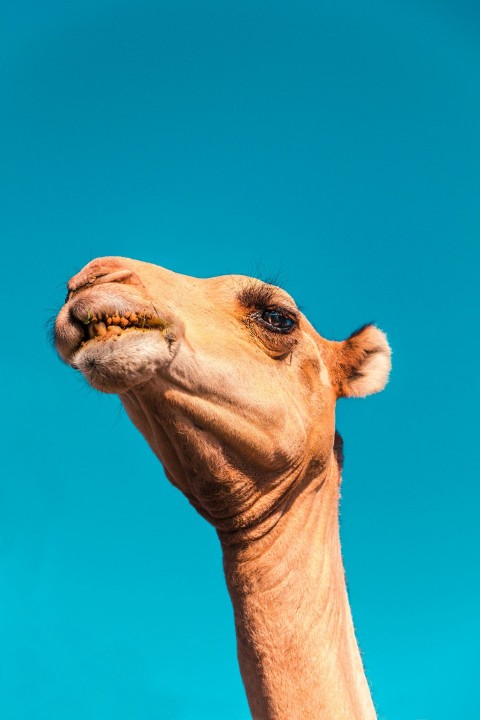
{"x": 227, "y": 380}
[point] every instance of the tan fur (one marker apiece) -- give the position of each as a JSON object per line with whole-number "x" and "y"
{"x": 243, "y": 421}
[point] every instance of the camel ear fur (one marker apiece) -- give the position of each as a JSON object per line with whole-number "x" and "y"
{"x": 362, "y": 363}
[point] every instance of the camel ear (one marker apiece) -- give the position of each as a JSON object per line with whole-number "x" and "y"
{"x": 362, "y": 363}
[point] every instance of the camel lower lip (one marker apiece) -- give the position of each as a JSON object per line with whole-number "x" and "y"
{"x": 109, "y": 333}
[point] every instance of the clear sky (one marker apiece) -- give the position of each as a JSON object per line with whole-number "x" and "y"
{"x": 335, "y": 144}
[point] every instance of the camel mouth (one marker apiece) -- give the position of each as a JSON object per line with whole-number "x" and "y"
{"x": 100, "y": 327}
{"x": 115, "y": 350}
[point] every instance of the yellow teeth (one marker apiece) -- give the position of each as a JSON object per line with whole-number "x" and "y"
{"x": 100, "y": 329}
{"x": 96, "y": 330}
{"x": 114, "y": 330}
{"x": 111, "y": 325}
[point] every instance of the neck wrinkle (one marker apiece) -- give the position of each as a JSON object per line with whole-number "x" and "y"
{"x": 296, "y": 645}
{"x": 250, "y": 540}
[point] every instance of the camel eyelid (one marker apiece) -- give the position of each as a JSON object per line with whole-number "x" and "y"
{"x": 256, "y": 294}
{"x": 263, "y": 296}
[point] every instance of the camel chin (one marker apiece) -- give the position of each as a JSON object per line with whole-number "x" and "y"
{"x": 117, "y": 364}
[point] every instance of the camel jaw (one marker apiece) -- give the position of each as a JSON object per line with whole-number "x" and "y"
{"x": 117, "y": 341}
{"x": 116, "y": 363}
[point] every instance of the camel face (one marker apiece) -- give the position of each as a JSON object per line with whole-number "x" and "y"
{"x": 225, "y": 377}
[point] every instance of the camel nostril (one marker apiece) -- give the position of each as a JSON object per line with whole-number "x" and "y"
{"x": 120, "y": 276}
{"x": 84, "y": 280}
{"x": 104, "y": 269}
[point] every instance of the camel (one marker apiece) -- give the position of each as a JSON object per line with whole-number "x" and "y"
{"x": 235, "y": 392}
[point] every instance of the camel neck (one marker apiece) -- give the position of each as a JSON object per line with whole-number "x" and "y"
{"x": 296, "y": 645}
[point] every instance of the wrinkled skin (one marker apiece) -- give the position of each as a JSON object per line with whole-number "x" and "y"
{"x": 214, "y": 389}
{"x": 229, "y": 383}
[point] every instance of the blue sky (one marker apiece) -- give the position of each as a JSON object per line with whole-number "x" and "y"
{"x": 333, "y": 144}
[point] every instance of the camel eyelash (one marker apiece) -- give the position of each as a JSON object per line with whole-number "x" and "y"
{"x": 259, "y": 295}
{"x": 256, "y": 294}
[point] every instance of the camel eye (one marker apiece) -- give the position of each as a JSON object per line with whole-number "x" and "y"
{"x": 277, "y": 320}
